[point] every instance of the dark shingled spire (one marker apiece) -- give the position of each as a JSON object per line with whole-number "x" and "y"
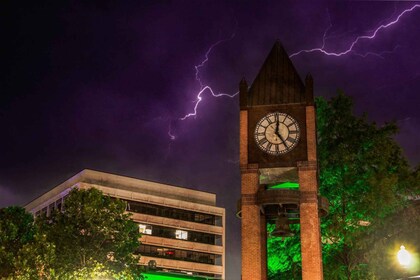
{"x": 277, "y": 82}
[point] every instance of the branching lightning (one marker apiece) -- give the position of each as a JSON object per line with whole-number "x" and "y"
{"x": 206, "y": 59}
{"x": 350, "y": 49}
{"x": 380, "y": 54}
{"x": 203, "y": 88}
{"x": 206, "y": 88}
{"x": 200, "y": 98}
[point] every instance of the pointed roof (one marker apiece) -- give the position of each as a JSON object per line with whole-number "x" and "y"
{"x": 277, "y": 82}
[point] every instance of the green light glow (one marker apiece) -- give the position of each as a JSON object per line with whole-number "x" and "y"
{"x": 169, "y": 276}
{"x": 285, "y": 185}
{"x": 283, "y": 254}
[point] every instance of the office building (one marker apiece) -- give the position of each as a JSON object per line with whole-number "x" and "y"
{"x": 183, "y": 232}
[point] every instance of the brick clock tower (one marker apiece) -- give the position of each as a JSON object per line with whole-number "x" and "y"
{"x": 279, "y": 170}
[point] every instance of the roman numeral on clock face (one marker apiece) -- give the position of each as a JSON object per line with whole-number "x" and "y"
{"x": 262, "y": 141}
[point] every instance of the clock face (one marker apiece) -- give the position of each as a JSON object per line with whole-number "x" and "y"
{"x": 277, "y": 133}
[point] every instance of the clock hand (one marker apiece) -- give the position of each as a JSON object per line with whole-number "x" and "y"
{"x": 277, "y": 132}
{"x": 282, "y": 139}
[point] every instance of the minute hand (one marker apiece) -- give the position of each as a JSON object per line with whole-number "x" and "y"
{"x": 279, "y": 135}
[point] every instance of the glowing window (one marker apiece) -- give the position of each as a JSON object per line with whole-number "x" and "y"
{"x": 145, "y": 229}
{"x": 181, "y": 234}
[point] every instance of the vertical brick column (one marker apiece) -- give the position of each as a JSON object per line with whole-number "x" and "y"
{"x": 252, "y": 227}
{"x": 263, "y": 245}
{"x": 311, "y": 133}
{"x": 243, "y": 137}
{"x": 254, "y": 257}
{"x": 309, "y": 214}
{"x": 310, "y": 235}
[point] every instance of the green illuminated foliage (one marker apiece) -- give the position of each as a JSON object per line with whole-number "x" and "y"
{"x": 366, "y": 180}
{"x": 363, "y": 174}
{"x": 284, "y": 255}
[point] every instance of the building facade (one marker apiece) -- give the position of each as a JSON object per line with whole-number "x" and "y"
{"x": 183, "y": 232}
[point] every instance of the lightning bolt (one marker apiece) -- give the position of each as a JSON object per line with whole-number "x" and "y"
{"x": 200, "y": 98}
{"x": 350, "y": 48}
{"x": 206, "y": 88}
{"x": 203, "y": 88}
{"x": 206, "y": 59}
{"x": 380, "y": 55}
{"x": 171, "y": 136}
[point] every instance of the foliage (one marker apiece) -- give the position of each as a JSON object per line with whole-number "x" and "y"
{"x": 92, "y": 238}
{"x": 402, "y": 228}
{"x": 93, "y": 235}
{"x": 36, "y": 260}
{"x": 284, "y": 257}
{"x": 364, "y": 175}
{"x": 16, "y": 230}
{"x": 366, "y": 180}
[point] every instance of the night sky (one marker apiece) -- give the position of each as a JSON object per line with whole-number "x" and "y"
{"x": 98, "y": 85}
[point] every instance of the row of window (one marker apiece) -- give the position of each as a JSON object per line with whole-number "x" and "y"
{"x": 149, "y": 209}
{"x": 168, "y": 232}
{"x": 56, "y": 205}
{"x": 178, "y": 254}
{"x": 174, "y": 213}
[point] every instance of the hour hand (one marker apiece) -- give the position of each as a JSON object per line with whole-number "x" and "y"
{"x": 277, "y": 128}
{"x": 276, "y": 131}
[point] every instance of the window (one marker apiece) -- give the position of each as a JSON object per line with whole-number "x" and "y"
{"x": 178, "y": 254}
{"x": 169, "y": 212}
{"x": 173, "y": 233}
{"x": 181, "y": 234}
{"x": 145, "y": 229}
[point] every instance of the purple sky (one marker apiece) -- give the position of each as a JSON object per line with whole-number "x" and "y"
{"x": 98, "y": 85}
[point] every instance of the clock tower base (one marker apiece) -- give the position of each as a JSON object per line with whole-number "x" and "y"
{"x": 253, "y": 227}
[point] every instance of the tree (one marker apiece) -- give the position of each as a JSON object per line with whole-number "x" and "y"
{"x": 93, "y": 237}
{"x": 366, "y": 180}
{"x": 400, "y": 228}
{"x": 363, "y": 174}
{"x": 16, "y": 230}
{"x": 35, "y": 260}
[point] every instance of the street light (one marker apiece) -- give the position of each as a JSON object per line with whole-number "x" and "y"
{"x": 404, "y": 257}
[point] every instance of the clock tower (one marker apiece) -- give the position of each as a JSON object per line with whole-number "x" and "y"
{"x": 279, "y": 170}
